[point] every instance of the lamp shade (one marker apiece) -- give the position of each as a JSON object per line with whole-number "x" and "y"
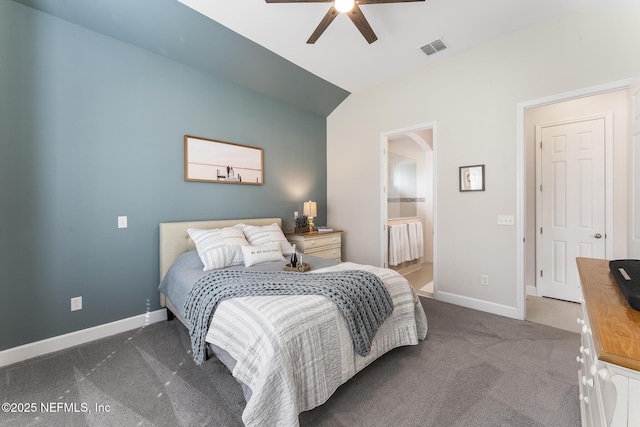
{"x": 310, "y": 209}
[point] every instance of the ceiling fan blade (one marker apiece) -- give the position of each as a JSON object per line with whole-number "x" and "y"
{"x": 328, "y": 19}
{"x": 385, "y": 1}
{"x": 362, "y": 24}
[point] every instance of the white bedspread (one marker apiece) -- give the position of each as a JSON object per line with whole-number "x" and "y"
{"x": 295, "y": 351}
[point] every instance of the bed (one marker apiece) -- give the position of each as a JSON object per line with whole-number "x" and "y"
{"x": 289, "y": 352}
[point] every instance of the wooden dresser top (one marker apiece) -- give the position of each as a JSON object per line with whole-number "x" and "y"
{"x": 615, "y": 325}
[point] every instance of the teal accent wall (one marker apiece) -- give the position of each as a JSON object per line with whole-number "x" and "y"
{"x": 92, "y": 128}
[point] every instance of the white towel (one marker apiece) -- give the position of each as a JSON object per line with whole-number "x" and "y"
{"x": 394, "y": 245}
{"x": 404, "y": 241}
{"x": 404, "y": 244}
{"x": 419, "y": 239}
{"x": 413, "y": 241}
{"x": 399, "y": 251}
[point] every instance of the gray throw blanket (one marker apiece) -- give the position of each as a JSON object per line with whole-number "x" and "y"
{"x": 361, "y": 296}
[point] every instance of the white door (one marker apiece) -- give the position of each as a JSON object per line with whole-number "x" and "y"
{"x": 572, "y": 203}
{"x": 634, "y": 182}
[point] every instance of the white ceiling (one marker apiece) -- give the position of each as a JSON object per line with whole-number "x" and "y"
{"x": 343, "y": 57}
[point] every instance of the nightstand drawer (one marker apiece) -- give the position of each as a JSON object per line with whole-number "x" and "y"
{"x": 324, "y": 245}
{"x": 320, "y": 242}
{"x": 333, "y": 253}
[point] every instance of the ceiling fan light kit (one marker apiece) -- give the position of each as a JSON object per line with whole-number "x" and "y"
{"x": 351, "y": 8}
{"x": 344, "y": 6}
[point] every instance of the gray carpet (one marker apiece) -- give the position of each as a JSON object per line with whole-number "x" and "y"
{"x": 474, "y": 369}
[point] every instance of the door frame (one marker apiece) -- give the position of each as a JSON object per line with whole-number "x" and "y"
{"x": 521, "y": 174}
{"x": 384, "y": 143}
{"x": 608, "y": 186}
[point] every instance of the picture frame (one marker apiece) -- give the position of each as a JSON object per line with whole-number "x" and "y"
{"x": 210, "y": 160}
{"x": 471, "y": 178}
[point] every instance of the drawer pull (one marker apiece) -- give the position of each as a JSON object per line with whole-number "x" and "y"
{"x": 602, "y": 373}
{"x": 580, "y": 321}
{"x": 584, "y": 350}
{"x": 579, "y": 359}
{"x": 588, "y": 381}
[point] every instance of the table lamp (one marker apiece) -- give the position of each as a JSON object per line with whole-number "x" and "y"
{"x": 310, "y": 210}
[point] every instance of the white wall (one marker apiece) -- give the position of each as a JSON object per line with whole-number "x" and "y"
{"x": 472, "y": 97}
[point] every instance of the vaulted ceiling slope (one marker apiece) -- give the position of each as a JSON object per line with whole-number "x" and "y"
{"x": 173, "y": 30}
{"x": 343, "y": 57}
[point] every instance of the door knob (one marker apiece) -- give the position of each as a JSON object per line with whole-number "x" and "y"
{"x": 598, "y": 235}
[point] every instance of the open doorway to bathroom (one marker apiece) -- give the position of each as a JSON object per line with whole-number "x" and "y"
{"x": 409, "y": 206}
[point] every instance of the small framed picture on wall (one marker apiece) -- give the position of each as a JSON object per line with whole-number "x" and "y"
{"x": 472, "y": 178}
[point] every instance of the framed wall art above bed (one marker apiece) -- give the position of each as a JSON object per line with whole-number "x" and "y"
{"x": 208, "y": 160}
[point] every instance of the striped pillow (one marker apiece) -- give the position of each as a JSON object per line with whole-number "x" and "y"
{"x": 258, "y": 236}
{"x": 219, "y": 248}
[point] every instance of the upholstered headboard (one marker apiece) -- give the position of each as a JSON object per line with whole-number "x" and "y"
{"x": 174, "y": 239}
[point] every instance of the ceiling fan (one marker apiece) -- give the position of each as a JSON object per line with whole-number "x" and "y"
{"x": 351, "y": 8}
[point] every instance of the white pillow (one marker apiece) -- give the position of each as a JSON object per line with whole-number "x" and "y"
{"x": 265, "y": 253}
{"x": 267, "y": 234}
{"x": 219, "y": 248}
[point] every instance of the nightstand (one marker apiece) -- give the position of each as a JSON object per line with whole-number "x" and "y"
{"x": 323, "y": 244}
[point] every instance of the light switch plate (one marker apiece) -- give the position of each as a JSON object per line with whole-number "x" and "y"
{"x": 506, "y": 220}
{"x": 122, "y": 222}
{"x": 76, "y": 303}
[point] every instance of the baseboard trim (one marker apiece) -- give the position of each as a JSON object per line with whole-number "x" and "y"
{"x": 476, "y": 304}
{"x": 532, "y": 290}
{"x": 60, "y": 342}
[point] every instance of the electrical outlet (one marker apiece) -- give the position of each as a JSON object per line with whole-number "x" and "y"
{"x": 484, "y": 280}
{"x": 295, "y": 214}
{"x": 76, "y": 303}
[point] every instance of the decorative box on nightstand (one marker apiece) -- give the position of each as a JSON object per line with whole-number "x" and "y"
{"x": 324, "y": 244}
